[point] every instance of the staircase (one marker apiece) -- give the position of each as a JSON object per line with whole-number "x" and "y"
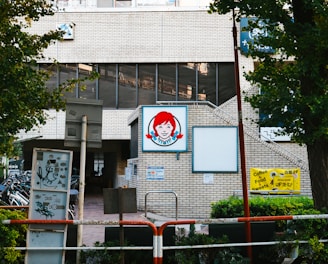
{"x": 248, "y": 130}
{"x": 254, "y": 134}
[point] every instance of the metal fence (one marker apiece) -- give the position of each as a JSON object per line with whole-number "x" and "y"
{"x": 158, "y": 247}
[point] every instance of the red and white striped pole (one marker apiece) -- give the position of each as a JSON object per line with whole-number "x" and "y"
{"x": 159, "y": 243}
{"x": 155, "y": 235}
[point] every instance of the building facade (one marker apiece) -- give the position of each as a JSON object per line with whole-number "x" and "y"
{"x": 154, "y": 52}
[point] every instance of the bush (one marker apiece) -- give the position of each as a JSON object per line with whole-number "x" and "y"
{"x": 183, "y": 256}
{"x": 311, "y": 230}
{"x": 304, "y": 229}
{"x": 259, "y": 206}
{"x": 12, "y": 236}
{"x": 114, "y": 256}
{"x": 231, "y": 207}
{"x": 205, "y": 255}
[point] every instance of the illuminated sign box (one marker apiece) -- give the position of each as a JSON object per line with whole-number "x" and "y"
{"x": 164, "y": 128}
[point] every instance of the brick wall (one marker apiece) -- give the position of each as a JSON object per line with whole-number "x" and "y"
{"x": 142, "y": 36}
{"x": 148, "y": 36}
{"x": 194, "y": 196}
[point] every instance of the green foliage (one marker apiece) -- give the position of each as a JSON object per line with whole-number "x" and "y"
{"x": 115, "y": 256}
{"x": 231, "y": 207}
{"x": 260, "y": 206}
{"x": 305, "y": 229}
{"x": 11, "y": 236}
{"x": 298, "y": 32}
{"x": 308, "y": 229}
{"x": 100, "y": 256}
{"x": 184, "y": 256}
{"x": 24, "y": 95}
{"x": 205, "y": 255}
{"x": 293, "y": 82}
{"x": 318, "y": 252}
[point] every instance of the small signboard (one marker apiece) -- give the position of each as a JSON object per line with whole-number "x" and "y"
{"x": 249, "y": 37}
{"x": 118, "y": 200}
{"x": 155, "y": 173}
{"x": 76, "y": 108}
{"x": 68, "y": 30}
{"x": 49, "y": 200}
{"x": 275, "y": 180}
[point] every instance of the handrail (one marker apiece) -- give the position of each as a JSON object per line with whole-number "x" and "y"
{"x": 250, "y": 131}
{"x": 14, "y": 207}
{"x": 163, "y": 191}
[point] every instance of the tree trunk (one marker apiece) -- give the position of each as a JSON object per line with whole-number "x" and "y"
{"x": 318, "y": 164}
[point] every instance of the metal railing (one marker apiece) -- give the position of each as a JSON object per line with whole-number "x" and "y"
{"x": 163, "y": 191}
{"x": 158, "y": 247}
{"x": 249, "y": 131}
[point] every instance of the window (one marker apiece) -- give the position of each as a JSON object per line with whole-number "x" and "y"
{"x": 126, "y": 86}
{"x": 107, "y": 84}
{"x": 98, "y": 164}
{"x": 90, "y": 90}
{"x": 146, "y": 84}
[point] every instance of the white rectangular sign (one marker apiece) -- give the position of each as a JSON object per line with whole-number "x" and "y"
{"x": 215, "y": 149}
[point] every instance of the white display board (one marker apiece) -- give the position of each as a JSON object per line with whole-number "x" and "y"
{"x": 214, "y": 149}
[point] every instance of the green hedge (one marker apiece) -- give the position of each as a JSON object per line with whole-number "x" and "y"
{"x": 311, "y": 230}
{"x": 260, "y": 206}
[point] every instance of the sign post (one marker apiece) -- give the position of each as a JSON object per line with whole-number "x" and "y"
{"x": 81, "y": 184}
{"x": 83, "y": 129}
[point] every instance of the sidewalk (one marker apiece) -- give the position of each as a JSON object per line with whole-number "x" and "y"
{"x": 94, "y": 210}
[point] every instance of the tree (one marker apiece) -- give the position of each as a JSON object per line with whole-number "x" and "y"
{"x": 293, "y": 81}
{"x": 24, "y": 94}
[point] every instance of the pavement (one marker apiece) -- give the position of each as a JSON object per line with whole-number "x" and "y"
{"x": 94, "y": 210}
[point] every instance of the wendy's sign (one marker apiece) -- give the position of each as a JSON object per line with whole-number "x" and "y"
{"x": 164, "y": 128}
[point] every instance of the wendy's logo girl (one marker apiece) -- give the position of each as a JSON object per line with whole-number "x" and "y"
{"x": 164, "y": 129}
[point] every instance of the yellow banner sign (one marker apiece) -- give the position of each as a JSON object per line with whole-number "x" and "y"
{"x": 279, "y": 180}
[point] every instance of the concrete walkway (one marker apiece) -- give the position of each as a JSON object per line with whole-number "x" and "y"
{"x": 94, "y": 210}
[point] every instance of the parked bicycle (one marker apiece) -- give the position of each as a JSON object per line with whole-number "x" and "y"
{"x": 14, "y": 194}
{"x": 15, "y": 190}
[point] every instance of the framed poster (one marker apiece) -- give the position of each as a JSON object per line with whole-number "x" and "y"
{"x": 164, "y": 128}
{"x": 215, "y": 149}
